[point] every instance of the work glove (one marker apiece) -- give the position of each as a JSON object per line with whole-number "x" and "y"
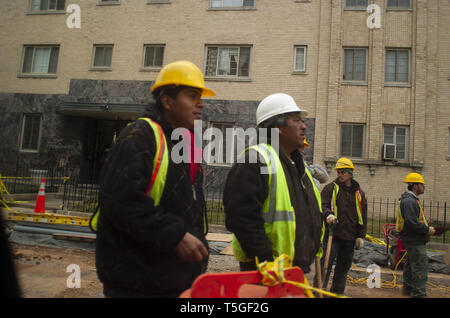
{"x": 431, "y": 230}
{"x": 331, "y": 219}
{"x": 359, "y": 244}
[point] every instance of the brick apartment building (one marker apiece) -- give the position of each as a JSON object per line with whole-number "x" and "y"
{"x": 380, "y": 96}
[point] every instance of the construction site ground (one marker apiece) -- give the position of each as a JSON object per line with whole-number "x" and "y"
{"x": 43, "y": 273}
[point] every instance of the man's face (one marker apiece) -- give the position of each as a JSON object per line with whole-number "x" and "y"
{"x": 182, "y": 110}
{"x": 343, "y": 176}
{"x": 420, "y": 188}
{"x": 293, "y": 133}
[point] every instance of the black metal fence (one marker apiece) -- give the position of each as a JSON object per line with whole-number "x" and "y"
{"x": 78, "y": 195}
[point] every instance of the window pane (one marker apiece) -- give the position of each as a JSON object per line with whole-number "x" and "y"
{"x": 390, "y": 66}
{"x": 346, "y": 140}
{"x": 27, "y": 60}
{"x": 358, "y": 138}
{"x": 392, "y": 3}
{"x": 52, "y": 5}
{"x": 103, "y": 56}
{"x": 244, "y": 61}
{"x": 159, "y": 56}
{"x": 53, "y": 60}
{"x": 233, "y": 61}
{"x": 348, "y": 64}
{"x": 211, "y": 61}
{"x": 41, "y": 60}
{"x": 224, "y": 61}
{"x": 249, "y": 3}
{"x": 149, "y": 56}
{"x": 300, "y": 59}
{"x": 30, "y": 135}
{"x": 61, "y": 5}
{"x": 388, "y": 135}
{"x": 216, "y": 3}
{"x": 44, "y": 4}
{"x": 35, "y": 5}
{"x": 402, "y": 66}
{"x": 359, "y": 65}
{"x": 404, "y": 3}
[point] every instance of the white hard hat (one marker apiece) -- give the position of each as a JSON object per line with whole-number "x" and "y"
{"x": 276, "y": 104}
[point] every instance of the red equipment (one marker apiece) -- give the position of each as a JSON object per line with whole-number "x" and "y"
{"x": 394, "y": 245}
{"x": 243, "y": 285}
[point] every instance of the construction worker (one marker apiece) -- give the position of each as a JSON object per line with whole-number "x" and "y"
{"x": 9, "y": 287}
{"x": 344, "y": 206}
{"x": 151, "y": 240}
{"x": 276, "y": 210}
{"x": 318, "y": 172}
{"x": 414, "y": 232}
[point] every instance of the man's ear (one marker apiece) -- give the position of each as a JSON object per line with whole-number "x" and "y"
{"x": 167, "y": 102}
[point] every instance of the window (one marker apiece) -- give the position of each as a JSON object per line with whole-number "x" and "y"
{"x": 399, "y": 4}
{"x": 47, "y": 5}
{"x": 351, "y": 4}
{"x": 153, "y": 56}
{"x": 352, "y": 140}
{"x": 232, "y": 3}
{"x": 228, "y": 61}
{"x": 397, "y": 65}
{"x": 397, "y": 136}
{"x": 355, "y": 64}
{"x": 102, "y": 56}
{"x": 40, "y": 59}
{"x": 31, "y": 128}
{"x": 300, "y": 59}
{"x": 108, "y": 2}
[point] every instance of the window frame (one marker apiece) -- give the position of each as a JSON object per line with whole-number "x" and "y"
{"x": 48, "y": 10}
{"x": 395, "y": 140}
{"x": 152, "y": 68}
{"x": 397, "y": 83}
{"x": 356, "y": 7}
{"x": 305, "y": 49}
{"x": 37, "y": 74}
{"x": 227, "y": 77}
{"x": 22, "y": 133}
{"x": 363, "y": 138}
{"x": 366, "y": 66}
{"x": 94, "y": 50}
{"x": 241, "y": 7}
{"x": 399, "y": 8}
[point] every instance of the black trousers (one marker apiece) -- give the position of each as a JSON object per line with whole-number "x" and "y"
{"x": 342, "y": 251}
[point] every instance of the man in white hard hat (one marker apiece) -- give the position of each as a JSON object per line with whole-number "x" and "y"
{"x": 278, "y": 212}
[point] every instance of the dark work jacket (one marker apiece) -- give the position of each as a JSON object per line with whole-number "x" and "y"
{"x": 414, "y": 231}
{"x": 348, "y": 227}
{"x": 245, "y": 191}
{"x": 135, "y": 251}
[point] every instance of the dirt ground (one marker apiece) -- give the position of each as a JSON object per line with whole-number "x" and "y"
{"x": 43, "y": 272}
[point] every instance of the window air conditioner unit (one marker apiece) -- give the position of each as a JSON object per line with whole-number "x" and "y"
{"x": 389, "y": 151}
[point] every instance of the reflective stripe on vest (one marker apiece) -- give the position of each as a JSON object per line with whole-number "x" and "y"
{"x": 401, "y": 222}
{"x": 358, "y": 200}
{"x": 277, "y": 210}
{"x": 160, "y": 166}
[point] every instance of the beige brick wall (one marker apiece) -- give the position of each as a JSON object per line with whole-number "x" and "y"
{"x": 273, "y": 28}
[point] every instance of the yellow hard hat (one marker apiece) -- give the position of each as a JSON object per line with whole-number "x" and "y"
{"x": 182, "y": 73}
{"x": 344, "y": 163}
{"x": 414, "y": 177}
{"x": 305, "y": 143}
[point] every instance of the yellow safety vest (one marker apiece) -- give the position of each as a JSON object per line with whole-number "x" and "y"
{"x": 358, "y": 200}
{"x": 401, "y": 222}
{"x": 160, "y": 167}
{"x": 277, "y": 210}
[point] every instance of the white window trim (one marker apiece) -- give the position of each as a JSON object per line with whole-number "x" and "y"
{"x": 305, "y": 48}
{"x": 211, "y": 8}
{"x": 394, "y": 142}
{"x": 355, "y": 82}
{"x": 48, "y": 11}
{"x": 363, "y": 139}
{"x": 398, "y": 84}
{"x": 234, "y": 78}
{"x": 101, "y": 68}
{"x": 22, "y": 134}
{"x": 151, "y": 68}
{"x": 36, "y": 75}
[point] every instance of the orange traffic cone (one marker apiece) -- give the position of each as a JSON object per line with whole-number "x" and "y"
{"x": 40, "y": 202}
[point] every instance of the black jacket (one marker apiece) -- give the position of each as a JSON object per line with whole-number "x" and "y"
{"x": 135, "y": 252}
{"x": 348, "y": 227}
{"x": 244, "y": 195}
{"x": 414, "y": 231}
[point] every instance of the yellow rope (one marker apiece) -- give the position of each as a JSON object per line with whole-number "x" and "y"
{"x": 277, "y": 267}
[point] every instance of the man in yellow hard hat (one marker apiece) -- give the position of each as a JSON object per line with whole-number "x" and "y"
{"x": 414, "y": 232}
{"x": 272, "y": 205}
{"x": 344, "y": 206}
{"x": 151, "y": 240}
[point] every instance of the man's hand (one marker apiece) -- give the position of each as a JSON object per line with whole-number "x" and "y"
{"x": 191, "y": 249}
{"x": 359, "y": 244}
{"x": 431, "y": 230}
{"x": 331, "y": 219}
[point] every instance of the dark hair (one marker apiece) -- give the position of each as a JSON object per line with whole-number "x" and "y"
{"x": 411, "y": 186}
{"x": 169, "y": 90}
{"x": 276, "y": 121}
